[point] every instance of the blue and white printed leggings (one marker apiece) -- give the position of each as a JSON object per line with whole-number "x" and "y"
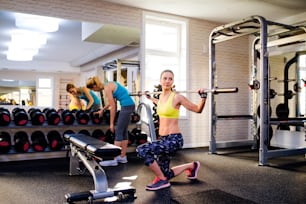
{"x": 161, "y": 151}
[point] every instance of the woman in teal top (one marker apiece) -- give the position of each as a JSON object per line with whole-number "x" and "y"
{"x": 92, "y": 101}
{"x": 115, "y": 92}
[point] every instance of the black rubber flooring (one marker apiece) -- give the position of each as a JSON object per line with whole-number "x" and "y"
{"x": 231, "y": 176}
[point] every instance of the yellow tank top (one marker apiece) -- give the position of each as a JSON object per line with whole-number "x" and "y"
{"x": 166, "y": 110}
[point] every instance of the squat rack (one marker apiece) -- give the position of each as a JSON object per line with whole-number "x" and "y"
{"x": 267, "y": 34}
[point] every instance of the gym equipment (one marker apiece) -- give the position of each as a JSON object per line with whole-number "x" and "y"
{"x": 20, "y": 116}
{"x": 95, "y": 118}
{"x": 255, "y": 85}
{"x": 282, "y": 110}
{"x": 131, "y": 138}
{"x": 288, "y": 94}
{"x": 39, "y": 142}
{"x": 37, "y": 117}
{"x": 84, "y": 132}
{"x": 138, "y": 136}
{"x": 55, "y": 140}
{"x": 213, "y": 91}
{"x": 106, "y": 116}
{"x": 21, "y": 141}
{"x": 90, "y": 151}
{"x": 68, "y": 117}
{"x": 109, "y": 136}
{"x": 52, "y": 116}
{"x": 5, "y": 142}
{"x": 270, "y": 135}
{"x": 258, "y": 111}
{"x": 272, "y": 93}
{"x": 5, "y": 117}
{"x": 98, "y": 134}
{"x": 82, "y": 117}
{"x": 135, "y": 117}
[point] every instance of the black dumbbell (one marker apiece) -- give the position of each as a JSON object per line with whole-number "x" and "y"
{"x": 84, "y": 132}
{"x": 39, "y": 142}
{"x": 21, "y": 141}
{"x": 20, "y": 116}
{"x": 5, "y": 117}
{"x": 55, "y": 140}
{"x": 135, "y": 117}
{"x": 106, "y": 116}
{"x": 131, "y": 138}
{"x": 5, "y": 142}
{"x": 109, "y": 136}
{"x": 68, "y": 117}
{"x": 95, "y": 118}
{"x": 52, "y": 116}
{"x": 99, "y": 134}
{"x": 37, "y": 117}
{"x": 82, "y": 117}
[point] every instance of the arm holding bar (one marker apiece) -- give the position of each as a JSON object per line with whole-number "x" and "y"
{"x": 213, "y": 91}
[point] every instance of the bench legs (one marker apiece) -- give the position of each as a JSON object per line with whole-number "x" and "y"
{"x": 101, "y": 190}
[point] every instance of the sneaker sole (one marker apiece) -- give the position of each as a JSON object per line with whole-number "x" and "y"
{"x": 159, "y": 187}
{"x": 108, "y": 164}
{"x": 196, "y": 172}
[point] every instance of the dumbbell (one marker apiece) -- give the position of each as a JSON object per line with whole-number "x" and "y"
{"x": 68, "y": 117}
{"x": 106, "y": 116}
{"x": 39, "y": 142}
{"x": 52, "y": 116}
{"x": 131, "y": 138}
{"x": 21, "y": 141}
{"x": 109, "y": 136}
{"x": 139, "y": 136}
{"x": 95, "y": 118}
{"x": 37, "y": 117}
{"x": 84, "y": 132}
{"x": 5, "y": 142}
{"x": 135, "y": 117}
{"x": 82, "y": 117}
{"x": 55, "y": 140}
{"x": 98, "y": 134}
{"x": 20, "y": 116}
{"x": 5, "y": 117}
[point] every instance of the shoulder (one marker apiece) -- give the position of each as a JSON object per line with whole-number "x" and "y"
{"x": 179, "y": 97}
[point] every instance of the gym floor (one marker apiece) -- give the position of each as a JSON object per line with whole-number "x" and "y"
{"x": 231, "y": 176}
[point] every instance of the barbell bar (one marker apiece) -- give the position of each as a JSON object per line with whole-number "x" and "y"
{"x": 213, "y": 91}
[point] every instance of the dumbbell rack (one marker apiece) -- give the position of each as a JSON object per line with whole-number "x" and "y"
{"x": 48, "y": 153}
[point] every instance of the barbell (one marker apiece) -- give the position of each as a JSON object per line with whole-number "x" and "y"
{"x": 213, "y": 91}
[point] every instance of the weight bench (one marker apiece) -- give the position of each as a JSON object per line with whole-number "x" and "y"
{"x": 89, "y": 151}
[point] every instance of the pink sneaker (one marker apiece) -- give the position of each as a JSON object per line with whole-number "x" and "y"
{"x": 193, "y": 173}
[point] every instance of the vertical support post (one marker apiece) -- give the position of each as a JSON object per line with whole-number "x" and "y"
{"x": 254, "y": 70}
{"x": 264, "y": 89}
{"x": 212, "y": 110}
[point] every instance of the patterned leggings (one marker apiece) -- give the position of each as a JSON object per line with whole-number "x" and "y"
{"x": 161, "y": 151}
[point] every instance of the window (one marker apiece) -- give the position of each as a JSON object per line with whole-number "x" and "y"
{"x": 44, "y": 92}
{"x": 165, "y": 48}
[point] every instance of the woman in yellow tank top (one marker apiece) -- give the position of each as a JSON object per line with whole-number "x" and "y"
{"x": 156, "y": 155}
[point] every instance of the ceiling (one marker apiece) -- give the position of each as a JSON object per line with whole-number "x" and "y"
{"x": 66, "y": 52}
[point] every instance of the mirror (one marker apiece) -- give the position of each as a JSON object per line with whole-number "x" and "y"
{"x": 74, "y": 46}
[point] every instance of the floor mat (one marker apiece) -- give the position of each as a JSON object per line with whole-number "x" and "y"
{"x": 214, "y": 196}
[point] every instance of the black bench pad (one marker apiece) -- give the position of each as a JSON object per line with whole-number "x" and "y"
{"x": 93, "y": 146}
